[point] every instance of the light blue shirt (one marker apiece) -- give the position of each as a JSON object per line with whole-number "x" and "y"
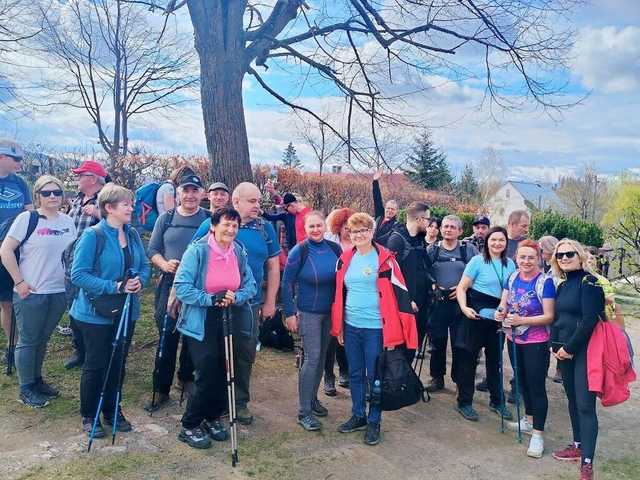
{"x": 489, "y": 278}
{"x": 362, "y": 307}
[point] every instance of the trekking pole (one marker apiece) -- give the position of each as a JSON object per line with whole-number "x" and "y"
{"x": 231, "y": 389}
{"x": 163, "y": 333}
{"x": 501, "y": 377}
{"x": 419, "y": 360}
{"x": 516, "y": 381}
{"x": 114, "y": 346}
{"x": 11, "y": 352}
{"x": 123, "y": 344}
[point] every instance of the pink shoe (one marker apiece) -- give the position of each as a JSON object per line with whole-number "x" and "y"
{"x": 570, "y": 453}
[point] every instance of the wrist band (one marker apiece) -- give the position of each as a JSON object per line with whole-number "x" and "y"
{"x": 16, "y": 284}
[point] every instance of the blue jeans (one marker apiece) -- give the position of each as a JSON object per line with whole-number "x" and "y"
{"x": 362, "y": 346}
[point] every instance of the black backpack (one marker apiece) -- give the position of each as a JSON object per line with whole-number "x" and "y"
{"x": 5, "y": 278}
{"x": 274, "y": 334}
{"x": 399, "y": 384}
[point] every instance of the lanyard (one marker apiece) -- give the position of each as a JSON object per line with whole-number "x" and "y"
{"x": 501, "y": 275}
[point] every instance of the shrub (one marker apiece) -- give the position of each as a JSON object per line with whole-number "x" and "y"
{"x": 562, "y": 226}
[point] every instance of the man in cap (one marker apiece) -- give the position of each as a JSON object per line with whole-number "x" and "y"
{"x": 15, "y": 197}
{"x": 91, "y": 177}
{"x": 481, "y": 225}
{"x": 292, "y": 217}
{"x": 218, "y": 196}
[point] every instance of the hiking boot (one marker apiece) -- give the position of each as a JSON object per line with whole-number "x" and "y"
{"x": 482, "y": 385}
{"x": 570, "y": 453}
{"x": 372, "y": 435}
{"x": 309, "y": 423}
{"x": 123, "y": 424}
{"x": 353, "y": 424}
{"x": 586, "y": 471}
{"x": 525, "y": 426}
{"x": 468, "y": 412}
{"x": 501, "y": 410}
{"x": 343, "y": 380}
{"x": 318, "y": 409}
{"x": 46, "y": 389}
{"x": 195, "y": 437}
{"x": 161, "y": 400}
{"x": 244, "y": 416}
{"x": 536, "y": 446}
{"x": 216, "y": 430}
{"x": 435, "y": 385}
{"x": 73, "y": 362}
{"x": 33, "y": 398}
{"x": 330, "y": 387}
{"x": 87, "y": 425}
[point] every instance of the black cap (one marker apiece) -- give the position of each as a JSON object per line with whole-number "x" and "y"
{"x": 481, "y": 220}
{"x": 192, "y": 180}
{"x": 289, "y": 198}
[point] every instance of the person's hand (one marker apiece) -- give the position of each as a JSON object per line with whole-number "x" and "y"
{"x": 90, "y": 210}
{"x": 499, "y": 316}
{"x": 452, "y": 294}
{"x": 268, "y": 309}
{"x": 470, "y": 313}
{"x": 292, "y": 323}
{"x": 133, "y": 285}
{"x": 341, "y": 338}
{"x": 23, "y": 289}
{"x": 377, "y": 175}
{"x": 228, "y": 299}
{"x": 171, "y": 266}
{"x": 414, "y": 307}
{"x": 269, "y": 187}
{"x": 563, "y": 355}
{"x": 513, "y": 320}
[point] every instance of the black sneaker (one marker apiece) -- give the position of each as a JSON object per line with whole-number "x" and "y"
{"x": 87, "y": 425}
{"x": 47, "y": 390}
{"x": 482, "y": 385}
{"x": 343, "y": 380}
{"x": 372, "y": 435}
{"x": 33, "y": 398}
{"x": 435, "y": 385}
{"x": 74, "y": 362}
{"x": 123, "y": 424}
{"x": 353, "y": 424}
{"x": 244, "y": 416}
{"x": 468, "y": 412}
{"x": 161, "y": 400}
{"x": 216, "y": 430}
{"x": 318, "y": 409}
{"x": 330, "y": 387}
{"x": 195, "y": 437}
{"x": 309, "y": 423}
{"x": 501, "y": 410}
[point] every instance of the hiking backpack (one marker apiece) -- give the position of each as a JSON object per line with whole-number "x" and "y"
{"x": 145, "y": 211}
{"x": 274, "y": 334}
{"x": 396, "y": 384}
{"x": 5, "y": 278}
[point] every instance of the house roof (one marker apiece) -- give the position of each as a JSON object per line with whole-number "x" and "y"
{"x": 539, "y": 194}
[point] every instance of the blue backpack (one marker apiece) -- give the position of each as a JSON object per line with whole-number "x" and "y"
{"x": 145, "y": 211}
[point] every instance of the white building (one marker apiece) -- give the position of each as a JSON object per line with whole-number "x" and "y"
{"x": 515, "y": 195}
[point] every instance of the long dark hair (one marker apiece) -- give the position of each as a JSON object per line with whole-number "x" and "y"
{"x": 485, "y": 248}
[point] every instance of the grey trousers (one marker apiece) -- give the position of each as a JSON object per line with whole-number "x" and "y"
{"x": 36, "y": 317}
{"x": 314, "y": 331}
{"x": 244, "y": 355}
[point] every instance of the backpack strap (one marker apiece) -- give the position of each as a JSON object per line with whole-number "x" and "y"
{"x": 512, "y": 278}
{"x": 100, "y": 241}
{"x": 463, "y": 251}
{"x": 304, "y": 254}
{"x": 34, "y": 216}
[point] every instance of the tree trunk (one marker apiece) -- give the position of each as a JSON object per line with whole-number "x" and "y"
{"x": 219, "y": 41}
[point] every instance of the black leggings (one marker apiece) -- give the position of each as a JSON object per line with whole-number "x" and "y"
{"x": 335, "y": 351}
{"x": 533, "y": 364}
{"x": 582, "y": 402}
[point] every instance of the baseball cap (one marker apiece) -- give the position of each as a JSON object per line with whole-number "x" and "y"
{"x": 11, "y": 149}
{"x": 288, "y": 198}
{"x": 192, "y": 180}
{"x": 90, "y": 166}
{"x": 218, "y": 186}
{"x": 481, "y": 220}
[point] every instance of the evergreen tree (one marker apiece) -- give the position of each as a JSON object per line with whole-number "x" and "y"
{"x": 467, "y": 186}
{"x": 290, "y": 157}
{"x": 428, "y": 165}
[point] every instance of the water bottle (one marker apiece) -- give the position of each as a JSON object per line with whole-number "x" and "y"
{"x": 376, "y": 392}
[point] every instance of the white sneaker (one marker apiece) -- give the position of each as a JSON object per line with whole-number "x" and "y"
{"x": 536, "y": 446}
{"x": 525, "y": 426}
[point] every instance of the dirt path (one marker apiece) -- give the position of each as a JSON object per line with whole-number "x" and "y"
{"x": 425, "y": 441}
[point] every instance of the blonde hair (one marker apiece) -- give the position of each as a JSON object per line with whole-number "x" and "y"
{"x": 112, "y": 194}
{"x": 578, "y": 248}
{"x": 360, "y": 220}
{"x": 41, "y": 182}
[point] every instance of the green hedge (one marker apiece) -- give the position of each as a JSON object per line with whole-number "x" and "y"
{"x": 562, "y": 226}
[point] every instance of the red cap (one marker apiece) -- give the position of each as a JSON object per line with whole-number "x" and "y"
{"x": 89, "y": 166}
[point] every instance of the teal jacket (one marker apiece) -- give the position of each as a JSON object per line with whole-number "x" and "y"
{"x": 110, "y": 266}
{"x": 189, "y": 284}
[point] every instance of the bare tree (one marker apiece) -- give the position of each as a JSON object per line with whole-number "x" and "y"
{"x": 489, "y": 172}
{"x": 112, "y": 61}
{"x": 584, "y": 195}
{"x": 362, "y": 47}
{"x": 325, "y": 145}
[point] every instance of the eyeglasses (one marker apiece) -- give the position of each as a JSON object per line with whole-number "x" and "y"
{"x": 569, "y": 255}
{"x": 364, "y": 231}
{"x": 48, "y": 193}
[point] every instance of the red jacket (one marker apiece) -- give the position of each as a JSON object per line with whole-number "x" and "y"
{"x": 609, "y": 369}
{"x": 398, "y": 321}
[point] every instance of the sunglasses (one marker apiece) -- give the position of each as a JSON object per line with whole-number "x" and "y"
{"x": 569, "y": 255}
{"x": 48, "y": 193}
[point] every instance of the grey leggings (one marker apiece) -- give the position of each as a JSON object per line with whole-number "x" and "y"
{"x": 36, "y": 317}
{"x": 314, "y": 332}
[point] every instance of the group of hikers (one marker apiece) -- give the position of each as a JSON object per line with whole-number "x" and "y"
{"x": 352, "y": 286}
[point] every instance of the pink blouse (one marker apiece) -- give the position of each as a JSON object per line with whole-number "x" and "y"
{"x": 223, "y": 272}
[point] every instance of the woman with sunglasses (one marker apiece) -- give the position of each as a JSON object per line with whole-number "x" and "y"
{"x": 579, "y": 304}
{"x": 39, "y": 290}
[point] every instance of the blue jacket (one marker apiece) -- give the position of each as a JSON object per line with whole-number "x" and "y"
{"x": 189, "y": 283}
{"x": 110, "y": 267}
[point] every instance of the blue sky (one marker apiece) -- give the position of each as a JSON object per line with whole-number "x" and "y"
{"x": 603, "y": 130}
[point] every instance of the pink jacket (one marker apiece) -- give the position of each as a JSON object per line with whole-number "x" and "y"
{"x": 609, "y": 369}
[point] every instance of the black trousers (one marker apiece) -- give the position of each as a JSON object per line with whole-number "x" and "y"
{"x": 443, "y": 323}
{"x": 209, "y": 399}
{"x": 533, "y": 364}
{"x": 98, "y": 341}
{"x": 78, "y": 342}
{"x": 335, "y": 352}
{"x": 582, "y": 402}
{"x": 165, "y": 366}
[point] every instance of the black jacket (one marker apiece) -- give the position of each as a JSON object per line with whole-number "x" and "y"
{"x": 383, "y": 229}
{"x": 410, "y": 254}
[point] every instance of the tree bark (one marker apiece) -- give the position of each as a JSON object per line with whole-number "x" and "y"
{"x": 219, "y": 41}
